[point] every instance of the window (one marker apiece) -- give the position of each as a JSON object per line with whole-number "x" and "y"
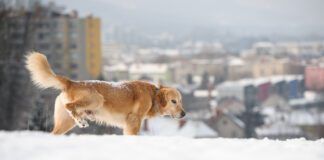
{"x": 73, "y": 46}
{"x": 73, "y": 66}
{"x": 54, "y": 24}
{"x": 16, "y": 36}
{"x": 57, "y": 65}
{"x": 74, "y": 56}
{"x": 224, "y": 122}
{"x": 58, "y": 46}
{"x": 73, "y": 35}
{"x": 41, "y": 36}
{"x": 234, "y": 134}
{"x": 74, "y": 76}
{"x": 44, "y": 46}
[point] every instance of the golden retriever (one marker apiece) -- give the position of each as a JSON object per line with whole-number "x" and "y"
{"x": 121, "y": 104}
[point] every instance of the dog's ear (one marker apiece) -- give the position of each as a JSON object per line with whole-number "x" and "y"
{"x": 161, "y": 98}
{"x": 161, "y": 86}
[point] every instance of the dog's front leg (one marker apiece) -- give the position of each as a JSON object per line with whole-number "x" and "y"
{"x": 131, "y": 130}
{"x": 133, "y": 124}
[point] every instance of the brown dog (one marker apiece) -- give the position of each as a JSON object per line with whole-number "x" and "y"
{"x": 122, "y": 104}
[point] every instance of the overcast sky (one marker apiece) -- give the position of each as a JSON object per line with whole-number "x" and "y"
{"x": 281, "y": 15}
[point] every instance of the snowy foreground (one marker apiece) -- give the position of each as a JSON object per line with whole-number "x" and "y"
{"x": 41, "y": 146}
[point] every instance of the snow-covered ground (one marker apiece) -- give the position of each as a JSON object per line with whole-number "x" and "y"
{"x": 43, "y": 146}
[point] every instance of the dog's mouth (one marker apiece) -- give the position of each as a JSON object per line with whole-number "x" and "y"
{"x": 174, "y": 116}
{"x": 170, "y": 116}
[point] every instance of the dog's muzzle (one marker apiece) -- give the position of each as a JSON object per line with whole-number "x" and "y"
{"x": 182, "y": 114}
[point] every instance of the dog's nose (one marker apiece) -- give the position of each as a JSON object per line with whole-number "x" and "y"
{"x": 183, "y": 114}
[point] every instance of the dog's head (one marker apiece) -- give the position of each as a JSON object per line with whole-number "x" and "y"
{"x": 170, "y": 102}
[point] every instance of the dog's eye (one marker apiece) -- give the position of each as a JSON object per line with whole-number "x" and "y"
{"x": 174, "y": 101}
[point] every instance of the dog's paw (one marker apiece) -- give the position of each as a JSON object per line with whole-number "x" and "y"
{"x": 82, "y": 123}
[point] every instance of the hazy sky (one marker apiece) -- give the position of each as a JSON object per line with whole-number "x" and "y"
{"x": 274, "y": 15}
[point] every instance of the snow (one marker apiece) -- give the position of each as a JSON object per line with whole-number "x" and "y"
{"x": 236, "y": 62}
{"x": 205, "y": 93}
{"x": 236, "y": 120}
{"x": 236, "y": 88}
{"x": 278, "y": 128}
{"x": 116, "y": 85}
{"x": 148, "y": 68}
{"x": 263, "y": 45}
{"x": 171, "y": 52}
{"x": 170, "y": 127}
{"x": 117, "y": 67}
{"x": 38, "y": 146}
{"x": 305, "y": 118}
{"x": 296, "y": 117}
{"x": 197, "y": 129}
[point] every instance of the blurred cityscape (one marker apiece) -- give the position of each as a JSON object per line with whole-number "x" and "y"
{"x": 232, "y": 86}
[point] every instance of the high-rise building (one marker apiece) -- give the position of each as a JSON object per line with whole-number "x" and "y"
{"x": 93, "y": 45}
{"x": 21, "y": 4}
{"x": 82, "y": 47}
{"x": 71, "y": 44}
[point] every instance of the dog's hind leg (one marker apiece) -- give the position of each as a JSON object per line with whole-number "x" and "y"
{"x": 78, "y": 118}
{"x": 62, "y": 120}
{"x": 90, "y": 115}
{"x": 84, "y": 108}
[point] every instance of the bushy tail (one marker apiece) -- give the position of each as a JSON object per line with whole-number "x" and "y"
{"x": 42, "y": 74}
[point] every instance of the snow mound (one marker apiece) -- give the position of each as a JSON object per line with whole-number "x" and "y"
{"x": 39, "y": 146}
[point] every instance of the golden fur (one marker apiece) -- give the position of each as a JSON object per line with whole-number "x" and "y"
{"x": 122, "y": 104}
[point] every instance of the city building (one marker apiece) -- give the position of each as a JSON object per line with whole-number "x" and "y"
{"x": 196, "y": 68}
{"x": 116, "y": 72}
{"x": 311, "y": 48}
{"x": 237, "y": 69}
{"x": 114, "y": 53}
{"x": 227, "y": 125}
{"x": 260, "y": 89}
{"x": 171, "y": 127}
{"x": 314, "y": 78}
{"x": 268, "y": 66}
{"x": 71, "y": 44}
{"x": 158, "y": 73}
{"x": 21, "y": 4}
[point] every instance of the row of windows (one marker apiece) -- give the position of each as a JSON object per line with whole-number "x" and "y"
{"x": 58, "y": 65}
{"x": 46, "y": 46}
{"x": 42, "y": 23}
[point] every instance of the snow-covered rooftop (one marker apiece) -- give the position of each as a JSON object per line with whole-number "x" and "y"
{"x": 298, "y": 117}
{"x": 279, "y": 128}
{"x": 170, "y": 127}
{"x": 236, "y": 62}
{"x": 205, "y": 93}
{"x": 148, "y": 68}
{"x": 117, "y": 67}
{"x": 38, "y": 146}
{"x": 262, "y": 80}
{"x": 263, "y": 45}
{"x": 196, "y": 129}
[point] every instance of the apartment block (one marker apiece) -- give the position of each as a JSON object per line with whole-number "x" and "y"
{"x": 72, "y": 44}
